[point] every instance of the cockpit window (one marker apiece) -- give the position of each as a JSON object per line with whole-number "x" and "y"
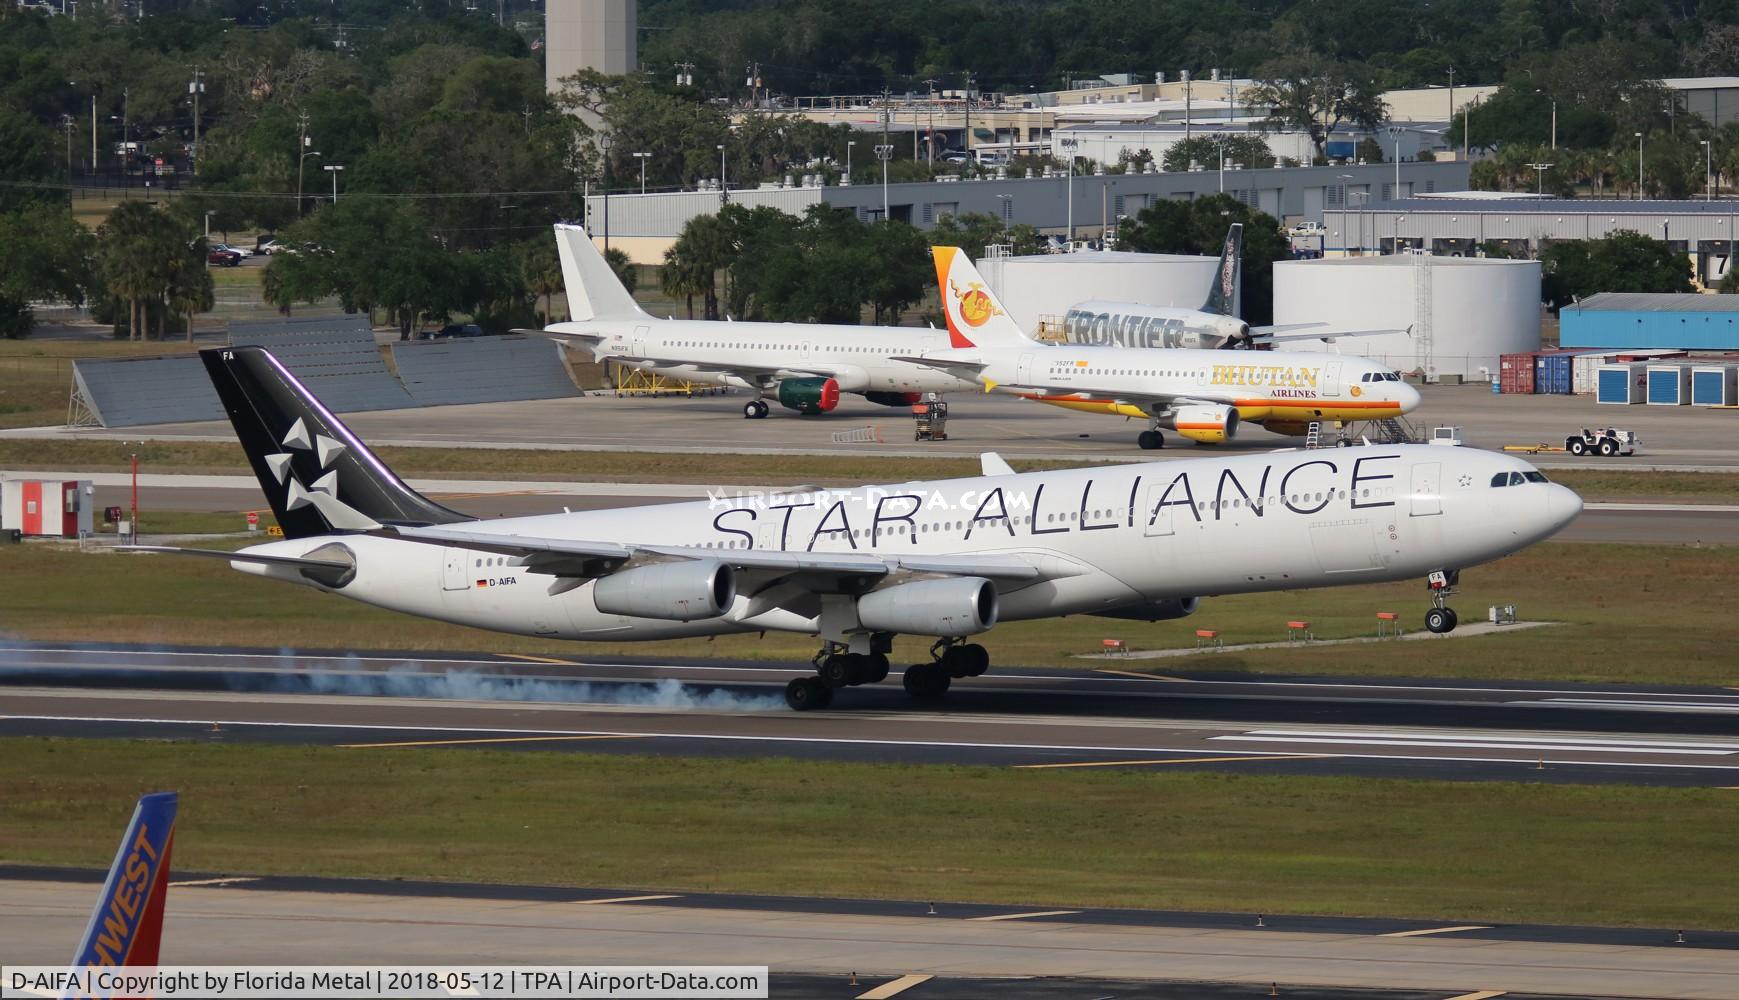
{"x": 1501, "y": 479}
{"x": 1535, "y": 476}
{"x": 1391, "y": 377}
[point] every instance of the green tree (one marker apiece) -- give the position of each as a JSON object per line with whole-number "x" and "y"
{"x": 1249, "y": 150}
{"x": 1316, "y": 95}
{"x": 27, "y": 155}
{"x": 45, "y": 256}
{"x": 1623, "y": 262}
{"x": 190, "y": 288}
{"x": 540, "y": 267}
{"x": 899, "y": 273}
{"x": 140, "y": 249}
{"x": 623, "y": 268}
{"x": 1199, "y": 227}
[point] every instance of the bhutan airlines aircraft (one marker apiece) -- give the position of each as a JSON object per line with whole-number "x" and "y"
{"x": 1202, "y": 395}
{"x": 856, "y": 567}
{"x": 1217, "y": 325}
{"x": 805, "y": 367}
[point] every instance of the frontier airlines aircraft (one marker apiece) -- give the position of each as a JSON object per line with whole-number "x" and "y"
{"x": 1202, "y": 395}
{"x": 856, "y": 567}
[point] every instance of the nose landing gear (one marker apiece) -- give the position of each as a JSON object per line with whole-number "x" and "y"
{"x": 1441, "y": 619}
{"x": 755, "y": 409}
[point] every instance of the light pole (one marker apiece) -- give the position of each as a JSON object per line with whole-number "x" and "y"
{"x": 642, "y": 157}
{"x": 604, "y": 143}
{"x": 196, "y": 86}
{"x": 1366, "y": 195}
{"x": 1006, "y": 204}
{"x": 208, "y": 214}
{"x": 724, "y": 188}
{"x": 1071, "y": 144}
{"x": 299, "y": 162}
{"x": 1395, "y": 132}
{"x": 848, "y": 147}
{"x": 1220, "y": 144}
{"x": 1540, "y": 177}
{"x": 1639, "y": 166}
{"x": 334, "y": 169}
{"x": 884, "y": 153}
{"x": 1708, "y": 171}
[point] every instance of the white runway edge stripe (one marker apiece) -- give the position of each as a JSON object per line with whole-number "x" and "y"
{"x": 836, "y": 741}
{"x": 1567, "y": 742}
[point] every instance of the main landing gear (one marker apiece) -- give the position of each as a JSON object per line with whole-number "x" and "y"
{"x": 755, "y": 409}
{"x": 1441, "y": 618}
{"x": 835, "y": 668}
{"x": 1150, "y": 440}
{"x": 952, "y": 659}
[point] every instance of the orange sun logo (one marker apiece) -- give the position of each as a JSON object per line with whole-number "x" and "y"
{"x": 975, "y": 307}
{"x": 1357, "y": 391}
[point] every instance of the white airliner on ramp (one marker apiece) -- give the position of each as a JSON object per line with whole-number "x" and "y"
{"x": 855, "y": 567}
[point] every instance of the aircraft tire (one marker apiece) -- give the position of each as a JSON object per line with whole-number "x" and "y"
{"x": 1150, "y": 440}
{"x": 876, "y": 669}
{"x": 807, "y": 694}
{"x": 840, "y": 670}
{"x": 926, "y": 680}
{"x": 1440, "y": 621}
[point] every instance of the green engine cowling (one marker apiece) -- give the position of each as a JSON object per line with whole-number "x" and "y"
{"x": 809, "y": 396}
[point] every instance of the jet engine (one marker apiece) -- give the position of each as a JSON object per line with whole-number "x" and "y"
{"x": 809, "y": 396}
{"x": 954, "y": 607}
{"x": 672, "y": 591}
{"x": 1206, "y": 423}
{"x": 1158, "y": 611}
{"x": 894, "y": 398}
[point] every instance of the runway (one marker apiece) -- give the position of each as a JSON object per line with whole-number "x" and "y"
{"x": 1633, "y": 523}
{"x": 1030, "y": 719}
{"x": 820, "y": 947}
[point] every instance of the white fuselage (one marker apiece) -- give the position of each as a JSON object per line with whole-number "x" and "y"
{"x": 857, "y": 357}
{"x": 1128, "y": 324}
{"x": 1101, "y": 539}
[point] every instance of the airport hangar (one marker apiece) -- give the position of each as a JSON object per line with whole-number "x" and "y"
{"x": 1459, "y": 225}
{"x": 645, "y": 225}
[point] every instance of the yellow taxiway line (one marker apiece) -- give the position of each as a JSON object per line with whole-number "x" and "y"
{"x": 495, "y": 739}
{"x": 539, "y": 659}
{"x": 895, "y": 987}
{"x": 623, "y": 899}
{"x": 1141, "y": 676}
{"x": 1422, "y": 932}
{"x": 1025, "y": 916}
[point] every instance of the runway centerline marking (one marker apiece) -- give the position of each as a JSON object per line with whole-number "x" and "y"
{"x": 1423, "y": 932}
{"x": 493, "y": 739}
{"x": 894, "y": 987}
{"x": 624, "y": 899}
{"x": 1179, "y": 760}
{"x": 1025, "y": 916}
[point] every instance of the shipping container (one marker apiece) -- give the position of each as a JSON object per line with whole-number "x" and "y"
{"x": 1552, "y": 373}
{"x": 1669, "y": 385}
{"x": 1623, "y": 384}
{"x": 1584, "y": 369}
{"x": 1714, "y": 385}
{"x": 1516, "y": 372}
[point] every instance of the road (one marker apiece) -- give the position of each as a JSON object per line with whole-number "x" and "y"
{"x": 822, "y": 947}
{"x": 1030, "y": 719}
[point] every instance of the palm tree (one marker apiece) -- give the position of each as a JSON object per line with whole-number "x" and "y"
{"x": 190, "y": 288}
{"x": 680, "y": 277}
{"x": 541, "y": 268}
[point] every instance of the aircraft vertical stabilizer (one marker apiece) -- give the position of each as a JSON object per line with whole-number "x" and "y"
{"x": 126, "y": 927}
{"x": 594, "y": 291}
{"x": 975, "y": 317}
{"x": 1226, "y": 297}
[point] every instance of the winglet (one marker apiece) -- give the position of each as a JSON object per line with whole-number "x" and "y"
{"x": 975, "y": 317}
{"x": 126, "y": 927}
{"x": 993, "y": 465}
{"x": 594, "y": 291}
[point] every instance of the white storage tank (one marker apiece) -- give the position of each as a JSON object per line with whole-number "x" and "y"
{"x": 1463, "y": 312}
{"x": 1044, "y": 286}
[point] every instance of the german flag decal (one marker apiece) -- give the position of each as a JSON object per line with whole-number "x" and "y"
{"x": 482, "y": 583}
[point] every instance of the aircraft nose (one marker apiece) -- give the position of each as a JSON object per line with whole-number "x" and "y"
{"x": 1407, "y": 396}
{"x": 1562, "y": 506}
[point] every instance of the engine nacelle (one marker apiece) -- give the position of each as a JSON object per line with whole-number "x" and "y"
{"x": 894, "y": 398}
{"x": 673, "y": 591}
{"x": 1206, "y": 423}
{"x": 957, "y": 607}
{"x": 809, "y": 395}
{"x": 1158, "y": 611}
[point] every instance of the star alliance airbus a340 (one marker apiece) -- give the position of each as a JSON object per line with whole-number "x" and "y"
{"x": 855, "y": 567}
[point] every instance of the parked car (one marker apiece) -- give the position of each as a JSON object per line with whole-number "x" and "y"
{"x": 216, "y": 257}
{"x": 242, "y": 252}
{"x": 452, "y": 331}
{"x": 954, "y": 156}
{"x": 1308, "y": 229}
{"x": 267, "y": 243}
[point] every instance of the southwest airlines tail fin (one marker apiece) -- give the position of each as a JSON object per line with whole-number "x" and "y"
{"x": 319, "y": 477}
{"x": 975, "y": 317}
{"x": 594, "y": 291}
{"x": 126, "y": 927}
{"x": 1226, "y": 297}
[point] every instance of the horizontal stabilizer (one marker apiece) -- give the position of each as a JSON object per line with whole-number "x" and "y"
{"x": 330, "y": 572}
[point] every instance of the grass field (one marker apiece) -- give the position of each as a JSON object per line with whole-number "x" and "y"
{"x": 1669, "y": 622}
{"x": 1487, "y": 852}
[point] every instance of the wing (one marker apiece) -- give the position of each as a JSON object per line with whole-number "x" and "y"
{"x": 966, "y": 368}
{"x": 1279, "y": 334}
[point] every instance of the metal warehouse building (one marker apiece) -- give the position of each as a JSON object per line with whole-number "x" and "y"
{"x": 1645, "y": 320}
